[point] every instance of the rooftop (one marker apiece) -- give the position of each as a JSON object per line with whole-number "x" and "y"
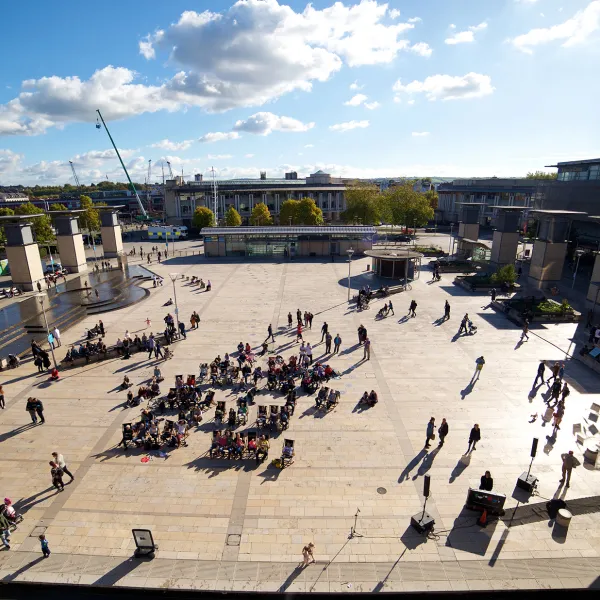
{"x": 588, "y": 161}
{"x": 286, "y": 230}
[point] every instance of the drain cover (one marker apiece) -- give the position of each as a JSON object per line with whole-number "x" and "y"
{"x": 381, "y": 490}
{"x": 233, "y": 539}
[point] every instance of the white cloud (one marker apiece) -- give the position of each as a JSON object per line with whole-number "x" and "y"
{"x": 372, "y": 105}
{"x": 356, "y": 100}
{"x": 448, "y": 87}
{"x": 174, "y": 146}
{"x": 264, "y": 123}
{"x": 394, "y": 13}
{"x": 355, "y": 86}
{"x": 461, "y": 37}
{"x": 218, "y": 136}
{"x": 420, "y": 133}
{"x": 309, "y": 146}
{"x": 422, "y": 49}
{"x": 571, "y": 32}
{"x": 248, "y": 155}
{"x": 9, "y": 161}
{"x": 414, "y": 20}
{"x": 452, "y": 26}
{"x": 342, "y": 127}
{"x": 259, "y": 50}
{"x": 219, "y": 156}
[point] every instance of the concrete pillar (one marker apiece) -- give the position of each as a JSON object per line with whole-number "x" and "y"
{"x": 23, "y": 256}
{"x": 548, "y": 256}
{"x": 593, "y": 293}
{"x": 70, "y": 244}
{"x": 506, "y": 238}
{"x": 112, "y": 242}
{"x": 468, "y": 227}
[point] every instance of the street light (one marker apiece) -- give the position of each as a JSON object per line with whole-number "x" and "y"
{"x": 350, "y": 252}
{"x": 41, "y": 297}
{"x": 450, "y": 240}
{"x": 579, "y": 254}
{"x": 173, "y": 277}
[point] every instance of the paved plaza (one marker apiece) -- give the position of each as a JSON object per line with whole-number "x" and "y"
{"x": 232, "y": 525}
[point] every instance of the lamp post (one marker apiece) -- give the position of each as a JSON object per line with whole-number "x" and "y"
{"x": 579, "y": 254}
{"x": 450, "y": 240}
{"x": 350, "y": 252}
{"x": 173, "y": 277}
{"x": 41, "y": 298}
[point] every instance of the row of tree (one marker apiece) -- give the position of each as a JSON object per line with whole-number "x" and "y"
{"x": 54, "y": 191}
{"x": 42, "y": 225}
{"x": 293, "y": 212}
{"x": 398, "y": 205}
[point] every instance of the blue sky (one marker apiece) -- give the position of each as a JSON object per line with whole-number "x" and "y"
{"x": 365, "y": 89}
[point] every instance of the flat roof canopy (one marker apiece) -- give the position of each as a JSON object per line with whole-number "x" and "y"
{"x": 66, "y": 212}
{"x": 393, "y": 254}
{"x": 510, "y": 207}
{"x": 472, "y": 203}
{"x": 560, "y": 213}
{"x": 110, "y": 207}
{"x": 18, "y": 218}
{"x": 287, "y": 230}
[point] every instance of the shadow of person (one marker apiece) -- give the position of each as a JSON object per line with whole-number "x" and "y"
{"x": 427, "y": 463}
{"x": 404, "y": 319}
{"x": 551, "y": 440}
{"x": 291, "y": 578}
{"x": 439, "y": 321}
{"x": 464, "y": 393}
{"x": 411, "y": 465}
{"x": 518, "y": 344}
{"x": 461, "y": 465}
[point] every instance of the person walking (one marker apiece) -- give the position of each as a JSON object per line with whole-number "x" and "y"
{"x": 443, "y": 432}
{"x": 158, "y": 350}
{"x": 391, "y": 308}
{"x": 554, "y": 392}
{"x": 412, "y": 308}
{"x": 101, "y": 325}
{"x": 310, "y": 320}
{"x": 555, "y": 370}
{"x": 290, "y": 320}
{"x": 447, "y": 311}
{"x": 479, "y": 362}
{"x": 39, "y": 409}
{"x": 299, "y": 332}
{"x": 5, "y": 530}
{"x": 2, "y": 402}
{"x": 474, "y": 437}
{"x": 299, "y": 316}
{"x": 324, "y": 330}
{"x": 463, "y": 324}
{"x": 337, "y": 342}
{"x": 270, "y": 333}
{"x": 367, "y": 354}
{"x": 540, "y": 373}
{"x": 56, "y": 334}
{"x": 362, "y": 334}
{"x": 525, "y": 330}
{"x": 564, "y": 393}
{"x": 308, "y": 554}
{"x": 150, "y": 345}
{"x": 148, "y": 322}
{"x": 182, "y": 330}
{"x": 56, "y": 474}
{"x": 493, "y": 294}
{"x": 30, "y": 408}
{"x": 561, "y": 371}
{"x": 45, "y": 546}
{"x": 309, "y": 353}
{"x": 328, "y": 340}
{"x": 569, "y": 462}
{"x": 59, "y": 459}
{"x": 429, "y": 432}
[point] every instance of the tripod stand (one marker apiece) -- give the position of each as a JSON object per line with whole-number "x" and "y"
{"x": 353, "y": 533}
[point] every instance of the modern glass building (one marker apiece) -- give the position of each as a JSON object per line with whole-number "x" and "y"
{"x": 287, "y": 241}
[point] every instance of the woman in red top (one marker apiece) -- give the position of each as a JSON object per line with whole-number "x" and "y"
{"x": 299, "y": 333}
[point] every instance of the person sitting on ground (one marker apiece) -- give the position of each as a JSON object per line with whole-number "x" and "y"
{"x": 373, "y": 398}
{"x": 126, "y": 383}
{"x": 486, "y": 483}
{"x": 158, "y": 374}
{"x": 69, "y": 356}
{"x": 364, "y": 399}
{"x": 54, "y": 376}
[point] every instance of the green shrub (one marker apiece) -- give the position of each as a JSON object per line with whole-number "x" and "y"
{"x": 505, "y": 274}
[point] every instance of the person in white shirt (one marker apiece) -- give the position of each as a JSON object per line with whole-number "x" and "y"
{"x": 59, "y": 459}
{"x": 56, "y": 334}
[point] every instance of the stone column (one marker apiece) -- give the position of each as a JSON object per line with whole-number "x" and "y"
{"x": 506, "y": 238}
{"x": 468, "y": 227}
{"x": 110, "y": 231}
{"x": 23, "y": 256}
{"x": 593, "y": 293}
{"x": 549, "y": 251}
{"x": 70, "y": 244}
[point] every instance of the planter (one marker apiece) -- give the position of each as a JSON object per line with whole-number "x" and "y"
{"x": 472, "y": 286}
{"x": 517, "y": 317}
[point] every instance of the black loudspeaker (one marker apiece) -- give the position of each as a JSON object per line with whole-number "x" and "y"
{"x": 526, "y": 481}
{"x": 534, "y": 447}
{"x": 422, "y": 522}
{"x": 426, "y": 486}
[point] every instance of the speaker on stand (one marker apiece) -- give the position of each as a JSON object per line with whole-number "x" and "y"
{"x": 526, "y": 480}
{"x": 423, "y": 522}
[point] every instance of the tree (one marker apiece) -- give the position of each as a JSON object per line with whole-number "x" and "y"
{"x": 289, "y": 213}
{"x": 404, "y": 206}
{"x": 505, "y": 274}
{"x": 232, "y": 217}
{"x": 309, "y": 213}
{"x": 42, "y": 226}
{"x": 4, "y": 212}
{"x": 90, "y": 219}
{"x": 541, "y": 175}
{"x": 261, "y": 215}
{"x": 203, "y": 217}
{"x": 58, "y": 206}
{"x": 433, "y": 198}
{"x": 364, "y": 204}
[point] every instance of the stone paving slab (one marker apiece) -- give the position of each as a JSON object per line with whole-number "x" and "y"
{"x": 194, "y": 505}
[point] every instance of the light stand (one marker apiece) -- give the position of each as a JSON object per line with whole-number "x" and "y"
{"x": 173, "y": 277}
{"x": 526, "y": 481}
{"x": 41, "y": 298}
{"x": 353, "y": 533}
{"x": 350, "y": 252}
{"x": 423, "y": 522}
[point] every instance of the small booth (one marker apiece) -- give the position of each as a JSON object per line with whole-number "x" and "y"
{"x": 396, "y": 264}
{"x": 473, "y": 249}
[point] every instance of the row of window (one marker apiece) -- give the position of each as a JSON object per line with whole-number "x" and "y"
{"x": 592, "y": 174}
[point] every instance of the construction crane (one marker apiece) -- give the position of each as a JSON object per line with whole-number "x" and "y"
{"x": 145, "y": 216}
{"x": 170, "y": 170}
{"x": 75, "y": 176}
{"x": 149, "y": 178}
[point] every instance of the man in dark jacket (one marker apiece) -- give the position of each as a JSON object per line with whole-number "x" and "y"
{"x": 324, "y": 330}
{"x": 474, "y": 437}
{"x": 540, "y": 373}
{"x": 430, "y": 431}
{"x": 443, "y": 432}
{"x": 487, "y": 483}
{"x": 39, "y": 409}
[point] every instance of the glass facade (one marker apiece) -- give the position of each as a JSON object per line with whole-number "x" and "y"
{"x": 579, "y": 173}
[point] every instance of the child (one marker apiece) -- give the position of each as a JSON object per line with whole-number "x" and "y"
{"x": 45, "y": 547}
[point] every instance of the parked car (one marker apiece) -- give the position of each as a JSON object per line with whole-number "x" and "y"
{"x": 55, "y": 268}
